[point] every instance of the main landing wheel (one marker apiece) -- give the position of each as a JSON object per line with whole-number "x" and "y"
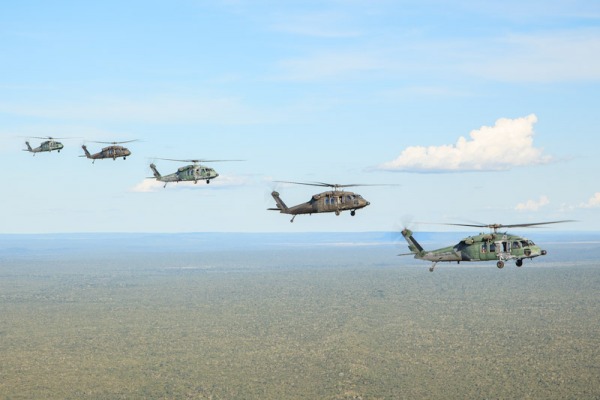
{"x": 337, "y": 212}
{"x": 519, "y": 263}
{"x": 353, "y": 213}
{"x": 207, "y": 181}
{"x": 500, "y": 264}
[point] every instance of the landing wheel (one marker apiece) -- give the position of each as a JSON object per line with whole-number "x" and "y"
{"x": 124, "y": 158}
{"x": 207, "y": 181}
{"x": 430, "y": 269}
{"x": 519, "y": 263}
{"x": 337, "y": 212}
{"x": 500, "y": 264}
{"x": 353, "y": 213}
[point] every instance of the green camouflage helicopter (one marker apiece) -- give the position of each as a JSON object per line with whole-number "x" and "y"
{"x": 331, "y": 201}
{"x": 47, "y": 146}
{"x": 493, "y": 246}
{"x": 113, "y": 151}
{"x": 194, "y": 172}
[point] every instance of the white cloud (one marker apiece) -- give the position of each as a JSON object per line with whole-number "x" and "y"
{"x": 593, "y": 202}
{"x": 533, "y": 205}
{"x": 222, "y": 182}
{"x": 507, "y": 144}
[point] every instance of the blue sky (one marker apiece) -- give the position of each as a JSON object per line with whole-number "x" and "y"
{"x": 478, "y": 112}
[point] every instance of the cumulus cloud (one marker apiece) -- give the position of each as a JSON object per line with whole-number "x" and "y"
{"x": 507, "y": 144}
{"x": 593, "y": 202}
{"x": 533, "y": 205}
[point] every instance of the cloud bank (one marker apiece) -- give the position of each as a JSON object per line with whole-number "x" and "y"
{"x": 593, "y": 202}
{"x": 533, "y": 205}
{"x": 507, "y": 144}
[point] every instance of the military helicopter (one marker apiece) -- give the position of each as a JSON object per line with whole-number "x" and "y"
{"x": 49, "y": 145}
{"x": 194, "y": 172}
{"x": 331, "y": 201}
{"x": 113, "y": 151}
{"x": 493, "y": 246}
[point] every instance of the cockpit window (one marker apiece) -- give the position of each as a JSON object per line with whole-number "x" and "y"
{"x": 524, "y": 243}
{"x": 531, "y": 243}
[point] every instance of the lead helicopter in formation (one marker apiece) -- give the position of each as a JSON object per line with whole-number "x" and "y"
{"x": 335, "y": 200}
{"x": 493, "y": 246}
{"x": 194, "y": 172}
{"x": 113, "y": 151}
{"x": 47, "y": 146}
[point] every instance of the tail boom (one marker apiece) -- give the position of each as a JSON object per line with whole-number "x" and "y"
{"x": 281, "y": 207}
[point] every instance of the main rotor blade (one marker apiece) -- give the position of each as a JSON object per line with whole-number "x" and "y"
{"x": 335, "y": 185}
{"x": 126, "y": 141}
{"x": 525, "y": 225}
{"x": 195, "y": 161}
{"x": 52, "y": 137}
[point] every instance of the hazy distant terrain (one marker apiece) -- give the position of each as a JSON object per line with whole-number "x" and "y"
{"x": 311, "y": 316}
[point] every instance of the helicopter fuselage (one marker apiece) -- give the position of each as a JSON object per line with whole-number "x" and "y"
{"x": 334, "y": 201}
{"x": 194, "y": 172}
{"x": 497, "y": 247}
{"x": 47, "y": 146}
{"x": 113, "y": 152}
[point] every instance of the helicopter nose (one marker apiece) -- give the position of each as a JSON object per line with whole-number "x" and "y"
{"x": 368, "y": 202}
{"x": 544, "y": 252}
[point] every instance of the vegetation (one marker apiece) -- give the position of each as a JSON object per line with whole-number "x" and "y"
{"x": 295, "y": 324}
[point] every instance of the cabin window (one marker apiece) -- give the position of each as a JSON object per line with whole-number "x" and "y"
{"x": 516, "y": 245}
{"x": 326, "y": 200}
{"x": 483, "y": 248}
{"x": 492, "y": 247}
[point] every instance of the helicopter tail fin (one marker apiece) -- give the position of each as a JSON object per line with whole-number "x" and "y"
{"x": 155, "y": 171}
{"x": 413, "y": 245}
{"x": 87, "y": 153}
{"x": 280, "y": 204}
{"x": 28, "y": 147}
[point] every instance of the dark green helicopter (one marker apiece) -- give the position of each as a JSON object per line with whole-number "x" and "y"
{"x": 113, "y": 151}
{"x": 334, "y": 200}
{"x": 493, "y": 246}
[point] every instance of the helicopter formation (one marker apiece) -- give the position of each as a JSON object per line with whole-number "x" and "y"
{"x": 493, "y": 246}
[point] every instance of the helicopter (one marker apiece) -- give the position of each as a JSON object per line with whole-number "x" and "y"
{"x": 493, "y": 246}
{"x": 194, "y": 172}
{"x": 331, "y": 201}
{"x": 49, "y": 145}
{"x": 113, "y": 151}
